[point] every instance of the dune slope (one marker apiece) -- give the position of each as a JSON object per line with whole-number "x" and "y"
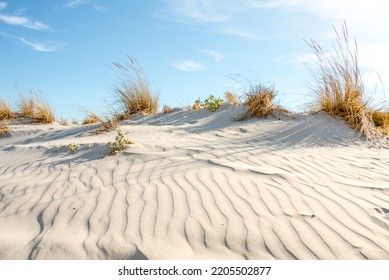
{"x": 195, "y": 185}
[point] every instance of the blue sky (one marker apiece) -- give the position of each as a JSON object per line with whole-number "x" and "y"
{"x": 187, "y": 48}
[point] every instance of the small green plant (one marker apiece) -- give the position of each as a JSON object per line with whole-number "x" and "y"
{"x": 73, "y": 147}
{"x": 121, "y": 143}
{"x": 212, "y": 103}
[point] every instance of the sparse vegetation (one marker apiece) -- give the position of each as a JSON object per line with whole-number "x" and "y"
{"x": 211, "y": 103}
{"x": 4, "y": 128}
{"x": 107, "y": 121}
{"x": 198, "y": 104}
{"x": 5, "y": 110}
{"x": 121, "y": 143}
{"x": 381, "y": 121}
{"x": 91, "y": 119}
{"x": 26, "y": 106}
{"x": 340, "y": 89}
{"x": 167, "y": 109}
{"x": 231, "y": 97}
{"x": 74, "y": 121}
{"x": 36, "y": 108}
{"x": 63, "y": 122}
{"x": 133, "y": 94}
{"x": 73, "y": 147}
{"x": 260, "y": 102}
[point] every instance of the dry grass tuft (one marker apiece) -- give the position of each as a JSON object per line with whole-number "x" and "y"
{"x": 167, "y": 109}
{"x": 340, "y": 89}
{"x": 107, "y": 122}
{"x": 63, "y": 122}
{"x": 133, "y": 93}
{"x": 36, "y": 107}
{"x": 231, "y": 97}
{"x": 26, "y": 106}
{"x": 381, "y": 121}
{"x": 90, "y": 119}
{"x": 74, "y": 121}
{"x": 5, "y": 110}
{"x": 260, "y": 102}
{"x": 4, "y": 128}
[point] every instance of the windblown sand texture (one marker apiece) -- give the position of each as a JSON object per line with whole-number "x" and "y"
{"x": 195, "y": 185}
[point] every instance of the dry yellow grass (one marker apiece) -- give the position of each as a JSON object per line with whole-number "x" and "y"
{"x": 26, "y": 106}
{"x": 340, "y": 89}
{"x": 74, "y": 121}
{"x": 133, "y": 94}
{"x": 63, "y": 122}
{"x": 107, "y": 122}
{"x": 381, "y": 121}
{"x": 36, "y": 108}
{"x": 167, "y": 109}
{"x": 231, "y": 97}
{"x": 5, "y": 110}
{"x": 260, "y": 102}
{"x": 4, "y": 128}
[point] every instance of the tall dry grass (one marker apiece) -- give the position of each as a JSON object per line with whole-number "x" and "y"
{"x": 260, "y": 102}
{"x": 36, "y": 107}
{"x": 5, "y": 110}
{"x": 4, "y": 128}
{"x": 339, "y": 86}
{"x": 133, "y": 93}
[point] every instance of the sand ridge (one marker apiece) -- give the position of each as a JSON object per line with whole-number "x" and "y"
{"x": 195, "y": 185}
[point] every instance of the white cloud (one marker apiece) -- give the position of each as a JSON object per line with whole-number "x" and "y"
{"x": 23, "y": 21}
{"x": 37, "y": 46}
{"x": 2, "y": 5}
{"x": 188, "y": 65}
{"x": 101, "y": 9}
{"x": 214, "y": 54}
{"x": 198, "y": 10}
{"x": 73, "y": 4}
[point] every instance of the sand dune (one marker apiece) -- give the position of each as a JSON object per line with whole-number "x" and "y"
{"x": 195, "y": 185}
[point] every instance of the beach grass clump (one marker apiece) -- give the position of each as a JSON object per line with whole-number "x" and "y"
{"x": 36, "y": 107}
{"x": 339, "y": 87}
{"x": 260, "y": 102}
{"x": 133, "y": 93}
{"x": 167, "y": 109}
{"x": 5, "y": 110}
{"x": 26, "y": 106}
{"x": 63, "y": 122}
{"x": 73, "y": 147}
{"x": 231, "y": 97}
{"x": 107, "y": 121}
{"x": 121, "y": 143}
{"x": 90, "y": 119}
{"x": 4, "y": 128}
{"x": 381, "y": 121}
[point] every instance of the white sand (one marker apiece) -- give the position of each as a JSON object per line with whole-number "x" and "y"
{"x": 195, "y": 185}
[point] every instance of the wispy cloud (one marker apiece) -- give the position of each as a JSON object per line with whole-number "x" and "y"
{"x": 73, "y": 4}
{"x": 197, "y": 10}
{"x": 2, "y": 5}
{"x": 100, "y": 9}
{"x": 213, "y": 54}
{"x": 23, "y": 21}
{"x": 36, "y": 46}
{"x": 188, "y": 65}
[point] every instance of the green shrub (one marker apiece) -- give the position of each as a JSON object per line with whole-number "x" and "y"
{"x": 121, "y": 143}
